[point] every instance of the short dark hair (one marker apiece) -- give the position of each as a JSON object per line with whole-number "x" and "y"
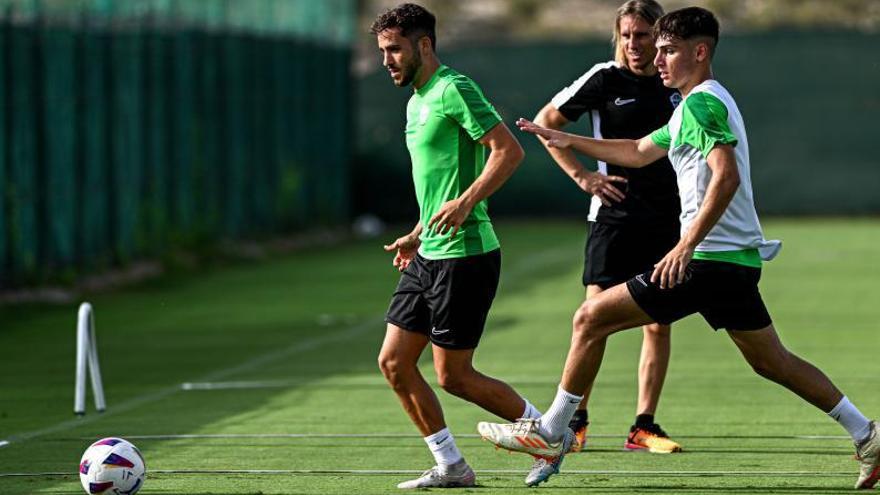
{"x": 413, "y": 20}
{"x": 687, "y": 23}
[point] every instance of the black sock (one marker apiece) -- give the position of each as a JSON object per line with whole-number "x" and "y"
{"x": 644, "y": 420}
{"x": 580, "y": 415}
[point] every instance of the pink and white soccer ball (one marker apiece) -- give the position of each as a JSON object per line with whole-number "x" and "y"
{"x": 112, "y": 466}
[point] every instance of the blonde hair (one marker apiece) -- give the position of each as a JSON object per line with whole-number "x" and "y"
{"x": 648, "y": 10}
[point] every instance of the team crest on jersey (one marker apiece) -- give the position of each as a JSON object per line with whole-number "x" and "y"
{"x": 675, "y": 99}
{"x": 424, "y": 112}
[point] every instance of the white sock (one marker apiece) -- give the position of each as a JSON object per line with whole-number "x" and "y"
{"x": 531, "y": 411}
{"x": 443, "y": 447}
{"x": 852, "y": 419}
{"x": 555, "y": 420}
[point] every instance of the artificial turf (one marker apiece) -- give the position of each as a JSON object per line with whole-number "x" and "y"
{"x": 290, "y": 345}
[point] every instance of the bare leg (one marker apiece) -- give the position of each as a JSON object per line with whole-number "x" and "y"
{"x": 592, "y": 291}
{"x": 456, "y": 374}
{"x": 398, "y": 361}
{"x": 610, "y": 311}
{"x": 770, "y": 359}
{"x": 653, "y": 363}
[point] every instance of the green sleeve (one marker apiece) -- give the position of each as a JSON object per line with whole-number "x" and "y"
{"x": 660, "y": 137}
{"x": 464, "y": 102}
{"x": 704, "y": 123}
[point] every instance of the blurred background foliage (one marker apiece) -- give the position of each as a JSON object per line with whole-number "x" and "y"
{"x": 136, "y": 128}
{"x": 468, "y": 20}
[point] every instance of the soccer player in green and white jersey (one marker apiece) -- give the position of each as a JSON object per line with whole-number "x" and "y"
{"x": 450, "y": 263}
{"x": 713, "y": 270}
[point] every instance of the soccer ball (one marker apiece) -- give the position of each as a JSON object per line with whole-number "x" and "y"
{"x": 112, "y": 466}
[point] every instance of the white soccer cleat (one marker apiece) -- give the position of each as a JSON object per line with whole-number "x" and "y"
{"x": 868, "y": 455}
{"x": 523, "y": 436}
{"x": 458, "y": 475}
{"x": 544, "y": 468}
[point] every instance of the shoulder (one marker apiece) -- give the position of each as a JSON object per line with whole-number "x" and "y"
{"x": 603, "y": 69}
{"x": 712, "y": 93}
{"x": 458, "y": 90}
{"x": 598, "y": 73}
{"x": 452, "y": 80}
{"x": 709, "y": 117}
{"x": 586, "y": 89}
{"x": 707, "y": 104}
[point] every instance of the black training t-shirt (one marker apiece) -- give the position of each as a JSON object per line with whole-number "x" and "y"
{"x": 622, "y": 105}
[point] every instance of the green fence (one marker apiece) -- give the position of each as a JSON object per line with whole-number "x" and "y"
{"x": 127, "y": 135}
{"x": 810, "y": 102}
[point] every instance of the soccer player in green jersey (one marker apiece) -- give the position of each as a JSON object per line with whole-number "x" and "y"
{"x": 450, "y": 262}
{"x": 715, "y": 267}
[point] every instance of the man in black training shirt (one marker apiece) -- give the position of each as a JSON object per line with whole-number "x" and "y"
{"x": 633, "y": 219}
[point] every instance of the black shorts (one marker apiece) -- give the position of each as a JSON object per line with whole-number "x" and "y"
{"x": 616, "y": 253}
{"x": 447, "y": 300}
{"x": 726, "y": 294}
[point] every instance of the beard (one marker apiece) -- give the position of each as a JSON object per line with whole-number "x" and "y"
{"x": 408, "y": 72}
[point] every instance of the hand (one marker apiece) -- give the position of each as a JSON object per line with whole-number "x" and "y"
{"x": 450, "y": 216}
{"x": 406, "y": 247}
{"x": 671, "y": 269}
{"x": 601, "y": 186}
{"x": 555, "y": 139}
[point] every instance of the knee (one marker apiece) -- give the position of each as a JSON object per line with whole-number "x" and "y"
{"x": 392, "y": 369}
{"x": 586, "y": 324}
{"x": 454, "y": 383}
{"x": 771, "y": 367}
{"x": 764, "y": 369}
{"x": 656, "y": 331}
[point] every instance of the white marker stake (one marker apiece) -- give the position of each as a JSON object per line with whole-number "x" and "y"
{"x": 87, "y": 355}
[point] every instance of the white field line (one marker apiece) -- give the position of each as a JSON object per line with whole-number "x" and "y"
{"x": 253, "y": 363}
{"x": 298, "y": 348}
{"x": 534, "y": 264}
{"x": 4, "y": 443}
{"x": 363, "y": 382}
{"x": 506, "y": 472}
{"x": 458, "y": 435}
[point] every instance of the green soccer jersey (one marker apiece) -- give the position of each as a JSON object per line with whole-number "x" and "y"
{"x": 445, "y": 118}
{"x": 707, "y": 117}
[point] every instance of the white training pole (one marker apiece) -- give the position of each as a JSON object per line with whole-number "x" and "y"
{"x": 82, "y": 348}
{"x": 87, "y": 355}
{"x": 94, "y": 367}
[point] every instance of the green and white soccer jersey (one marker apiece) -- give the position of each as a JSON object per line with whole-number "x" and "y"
{"x": 445, "y": 118}
{"x": 708, "y": 116}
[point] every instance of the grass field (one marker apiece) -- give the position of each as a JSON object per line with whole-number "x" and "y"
{"x": 286, "y": 397}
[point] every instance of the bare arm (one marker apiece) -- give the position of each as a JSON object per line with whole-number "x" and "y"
{"x": 722, "y": 187}
{"x": 591, "y": 182}
{"x": 504, "y": 156}
{"x": 632, "y": 153}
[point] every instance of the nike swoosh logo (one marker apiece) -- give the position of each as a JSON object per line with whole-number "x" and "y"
{"x": 434, "y": 331}
{"x": 620, "y": 103}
